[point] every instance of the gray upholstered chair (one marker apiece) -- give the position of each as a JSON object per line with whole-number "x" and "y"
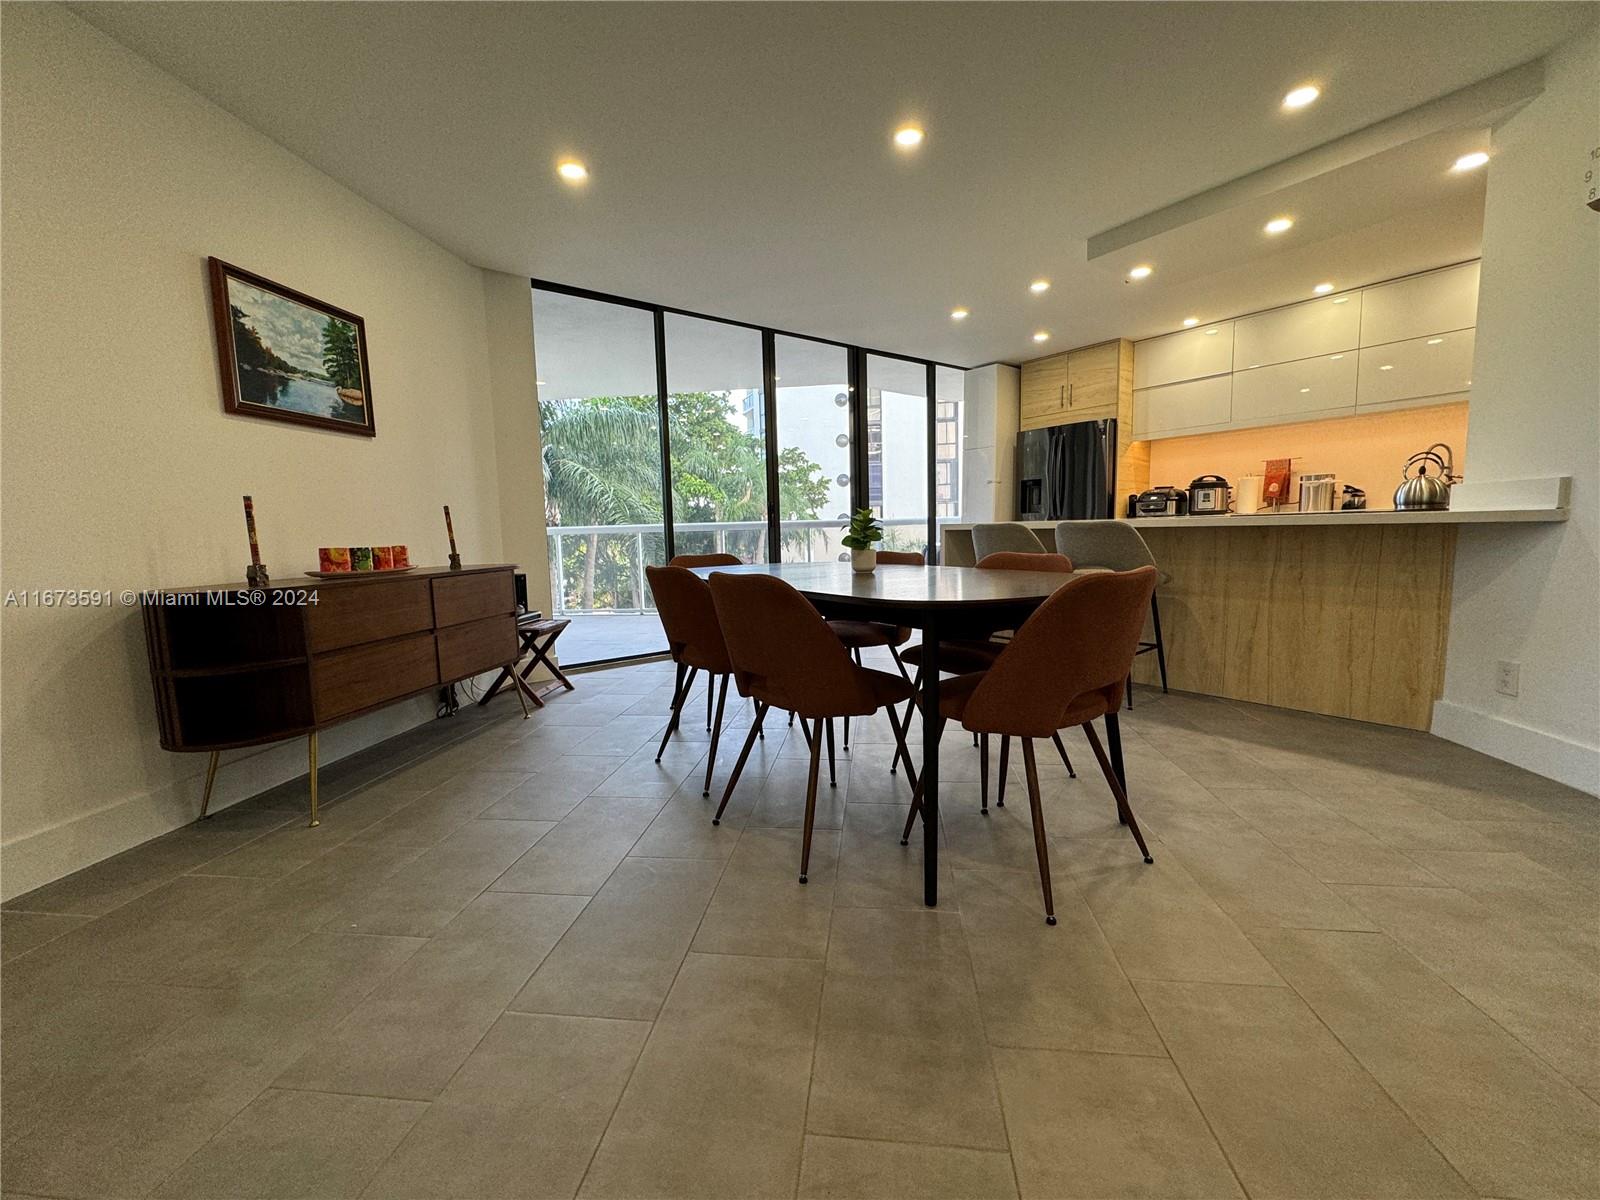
{"x": 1117, "y": 546}
{"x": 1002, "y": 537}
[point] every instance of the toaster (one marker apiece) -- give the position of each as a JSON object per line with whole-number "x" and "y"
{"x": 1209, "y": 495}
{"x": 1163, "y": 502}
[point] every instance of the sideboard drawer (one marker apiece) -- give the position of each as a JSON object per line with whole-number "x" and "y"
{"x": 349, "y": 680}
{"x": 348, "y": 613}
{"x": 473, "y": 597}
{"x": 466, "y": 650}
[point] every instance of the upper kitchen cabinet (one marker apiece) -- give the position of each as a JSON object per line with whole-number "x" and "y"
{"x": 1424, "y": 370}
{"x": 1192, "y": 354}
{"x": 1088, "y": 384}
{"x": 1175, "y": 409}
{"x": 1437, "y": 302}
{"x": 1314, "y": 329}
{"x": 1303, "y": 389}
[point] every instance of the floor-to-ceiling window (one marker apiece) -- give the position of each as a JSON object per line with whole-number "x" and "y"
{"x": 716, "y": 424}
{"x": 897, "y": 450}
{"x": 671, "y": 432}
{"x": 813, "y": 443}
{"x": 599, "y": 422}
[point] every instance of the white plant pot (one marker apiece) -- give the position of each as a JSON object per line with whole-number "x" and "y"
{"x": 864, "y": 561}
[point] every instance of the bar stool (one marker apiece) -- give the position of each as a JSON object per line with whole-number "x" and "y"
{"x": 1067, "y": 665}
{"x": 694, "y": 637}
{"x": 1117, "y": 546}
{"x": 786, "y": 656}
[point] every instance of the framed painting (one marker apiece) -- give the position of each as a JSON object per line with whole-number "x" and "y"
{"x": 288, "y": 357}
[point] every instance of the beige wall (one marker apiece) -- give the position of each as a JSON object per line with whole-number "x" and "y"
{"x": 122, "y": 471}
{"x": 1366, "y": 450}
{"x": 1527, "y": 594}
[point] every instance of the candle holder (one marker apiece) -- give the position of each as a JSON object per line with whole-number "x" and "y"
{"x": 450, "y": 531}
{"x": 256, "y": 573}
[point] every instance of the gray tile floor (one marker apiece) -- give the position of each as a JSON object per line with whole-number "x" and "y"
{"x": 517, "y": 960}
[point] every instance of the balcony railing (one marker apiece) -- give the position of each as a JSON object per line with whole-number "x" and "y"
{"x": 600, "y": 568}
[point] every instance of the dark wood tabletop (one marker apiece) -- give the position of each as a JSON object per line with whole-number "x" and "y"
{"x": 894, "y": 586}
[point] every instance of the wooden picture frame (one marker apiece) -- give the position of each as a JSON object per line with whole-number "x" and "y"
{"x": 286, "y": 356}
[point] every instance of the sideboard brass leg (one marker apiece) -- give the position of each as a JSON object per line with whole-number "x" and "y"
{"x": 312, "y": 744}
{"x": 211, "y": 778}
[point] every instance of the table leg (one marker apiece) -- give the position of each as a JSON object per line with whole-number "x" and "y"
{"x": 930, "y": 765}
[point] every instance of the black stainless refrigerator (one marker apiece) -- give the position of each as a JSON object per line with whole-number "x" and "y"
{"x": 1067, "y": 472}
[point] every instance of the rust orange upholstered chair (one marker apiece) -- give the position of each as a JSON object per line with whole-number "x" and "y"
{"x": 859, "y": 635}
{"x": 786, "y": 656}
{"x": 691, "y": 561}
{"x": 694, "y": 637}
{"x": 967, "y": 655}
{"x": 1067, "y": 665}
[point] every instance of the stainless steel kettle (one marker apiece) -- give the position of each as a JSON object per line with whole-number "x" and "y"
{"x": 1422, "y": 492}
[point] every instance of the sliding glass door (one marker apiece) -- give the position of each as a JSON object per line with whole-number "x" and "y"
{"x": 813, "y": 446}
{"x": 600, "y": 428}
{"x": 897, "y": 450}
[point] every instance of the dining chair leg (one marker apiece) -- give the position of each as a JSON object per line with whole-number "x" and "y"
{"x": 1130, "y": 691}
{"x": 1005, "y": 766}
{"x": 855, "y": 653}
{"x": 677, "y": 685}
{"x": 1114, "y": 751}
{"x": 983, "y": 776}
{"x": 833, "y": 778}
{"x": 900, "y": 663}
{"x": 744, "y": 754}
{"x": 1039, "y": 845}
{"x": 916, "y": 795}
{"x": 711, "y": 690}
{"x": 1161, "y": 649}
{"x": 805, "y": 729}
{"x": 1062, "y": 750}
{"x": 716, "y": 732}
{"x": 1115, "y": 784}
{"x": 678, "y": 700}
{"x": 901, "y": 750}
{"x": 811, "y": 804}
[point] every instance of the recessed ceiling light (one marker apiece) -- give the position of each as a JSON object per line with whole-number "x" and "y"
{"x": 1322, "y": 289}
{"x": 572, "y": 170}
{"x": 1303, "y": 391}
{"x": 1212, "y": 332}
{"x": 1142, "y": 271}
{"x": 1387, "y": 367}
{"x": 1038, "y": 286}
{"x": 1335, "y": 357}
{"x": 540, "y": 382}
{"x": 1341, "y": 299}
{"x": 958, "y": 314}
{"x": 1279, "y": 225}
{"x": 908, "y": 136}
{"x": 1041, "y": 336}
{"x": 1434, "y": 341}
{"x": 1188, "y": 322}
{"x": 1302, "y": 96}
{"x": 1470, "y": 162}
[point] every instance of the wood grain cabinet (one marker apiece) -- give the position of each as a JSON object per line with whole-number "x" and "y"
{"x": 229, "y": 671}
{"x": 1086, "y": 384}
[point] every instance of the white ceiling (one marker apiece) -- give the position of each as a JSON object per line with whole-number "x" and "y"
{"x": 741, "y": 161}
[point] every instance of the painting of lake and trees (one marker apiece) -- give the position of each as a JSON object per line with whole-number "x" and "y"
{"x": 287, "y": 356}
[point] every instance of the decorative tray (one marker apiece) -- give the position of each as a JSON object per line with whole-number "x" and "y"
{"x": 360, "y": 574}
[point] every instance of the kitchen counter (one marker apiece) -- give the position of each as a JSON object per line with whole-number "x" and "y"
{"x": 1341, "y": 613}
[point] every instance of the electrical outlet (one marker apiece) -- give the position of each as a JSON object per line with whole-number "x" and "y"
{"x": 1508, "y": 679}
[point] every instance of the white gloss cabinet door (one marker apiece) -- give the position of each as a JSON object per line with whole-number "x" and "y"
{"x": 1195, "y": 404}
{"x": 1438, "y": 302}
{"x": 1317, "y": 327}
{"x": 1192, "y": 354}
{"x": 1434, "y": 367}
{"x": 1321, "y": 386}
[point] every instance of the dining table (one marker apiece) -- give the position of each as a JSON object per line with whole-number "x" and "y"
{"x": 941, "y": 603}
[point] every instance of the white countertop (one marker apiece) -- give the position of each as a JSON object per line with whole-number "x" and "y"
{"x": 1369, "y": 516}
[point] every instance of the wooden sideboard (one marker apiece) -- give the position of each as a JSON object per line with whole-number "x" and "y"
{"x": 237, "y": 667}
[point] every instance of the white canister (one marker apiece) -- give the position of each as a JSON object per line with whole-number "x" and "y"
{"x": 1247, "y": 494}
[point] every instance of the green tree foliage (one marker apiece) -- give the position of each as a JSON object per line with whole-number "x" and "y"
{"x": 341, "y": 358}
{"x": 602, "y": 466}
{"x": 248, "y": 347}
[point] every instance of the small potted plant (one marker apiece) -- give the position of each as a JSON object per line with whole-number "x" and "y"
{"x": 860, "y": 536}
